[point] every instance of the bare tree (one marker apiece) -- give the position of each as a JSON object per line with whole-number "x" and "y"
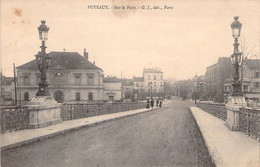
{"x": 248, "y": 51}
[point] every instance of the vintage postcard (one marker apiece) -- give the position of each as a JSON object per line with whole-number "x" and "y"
{"x": 130, "y": 83}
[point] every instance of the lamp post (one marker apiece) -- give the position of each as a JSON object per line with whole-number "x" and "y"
{"x": 236, "y": 100}
{"x": 43, "y": 60}
{"x": 43, "y": 109}
{"x": 236, "y": 57}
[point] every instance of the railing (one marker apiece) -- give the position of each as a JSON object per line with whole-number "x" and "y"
{"x": 14, "y": 118}
{"x": 249, "y": 121}
{"x": 217, "y": 109}
{"x": 76, "y": 111}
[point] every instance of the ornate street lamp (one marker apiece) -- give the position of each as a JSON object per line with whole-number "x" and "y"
{"x": 43, "y": 60}
{"x": 236, "y": 57}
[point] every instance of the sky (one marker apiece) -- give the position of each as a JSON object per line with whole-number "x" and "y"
{"x": 181, "y": 41}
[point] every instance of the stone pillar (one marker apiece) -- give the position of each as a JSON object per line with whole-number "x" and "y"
{"x": 233, "y": 105}
{"x": 43, "y": 111}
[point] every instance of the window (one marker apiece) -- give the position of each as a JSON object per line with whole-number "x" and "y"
{"x": 148, "y": 76}
{"x": 58, "y": 78}
{"x": 256, "y": 84}
{"x": 77, "y": 96}
{"x": 26, "y": 96}
{"x": 245, "y": 88}
{"x": 154, "y": 84}
{"x": 90, "y": 96}
{"x": 111, "y": 97}
{"x": 26, "y": 80}
{"x": 137, "y": 85}
{"x": 154, "y": 77}
{"x": 78, "y": 79}
{"x": 90, "y": 80}
{"x": 256, "y": 74}
{"x": 161, "y": 77}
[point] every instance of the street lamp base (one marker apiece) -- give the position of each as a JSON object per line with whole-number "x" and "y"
{"x": 43, "y": 90}
{"x": 237, "y": 89}
{"x": 233, "y": 105}
{"x": 43, "y": 111}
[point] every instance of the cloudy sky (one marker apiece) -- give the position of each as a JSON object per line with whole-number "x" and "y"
{"x": 182, "y": 41}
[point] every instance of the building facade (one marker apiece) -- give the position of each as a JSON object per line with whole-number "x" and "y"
{"x": 112, "y": 88}
{"x": 7, "y": 90}
{"x": 127, "y": 88}
{"x": 71, "y": 78}
{"x": 214, "y": 79}
{"x": 250, "y": 76}
{"x": 150, "y": 84}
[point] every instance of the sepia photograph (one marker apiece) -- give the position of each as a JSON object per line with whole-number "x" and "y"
{"x": 130, "y": 83}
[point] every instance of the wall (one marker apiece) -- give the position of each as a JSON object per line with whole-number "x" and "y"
{"x": 112, "y": 89}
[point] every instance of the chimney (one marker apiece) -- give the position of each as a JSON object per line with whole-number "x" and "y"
{"x": 85, "y": 54}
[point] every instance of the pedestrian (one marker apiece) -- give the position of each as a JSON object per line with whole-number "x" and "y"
{"x": 157, "y": 103}
{"x": 152, "y": 103}
{"x": 160, "y": 104}
{"x": 148, "y": 104}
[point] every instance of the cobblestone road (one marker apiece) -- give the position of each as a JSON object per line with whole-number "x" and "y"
{"x": 164, "y": 137}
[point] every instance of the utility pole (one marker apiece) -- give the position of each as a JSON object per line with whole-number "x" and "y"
{"x": 15, "y": 91}
{"x": 1, "y": 83}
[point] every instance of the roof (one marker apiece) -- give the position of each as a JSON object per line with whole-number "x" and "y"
{"x": 211, "y": 66}
{"x": 253, "y": 63}
{"x": 64, "y": 60}
{"x": 152, "y": 70}
{"x": 138, "y": 79}
{"x": 127, "y": 82}
{"x": 111, "y": 79}
{"x": 6, "y": 80}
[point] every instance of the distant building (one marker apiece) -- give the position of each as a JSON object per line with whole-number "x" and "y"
{"x": 71, "y": 78}
{"x": 214, "y": 78}
{"x": 250, "y": 81}
{"x": 112, "y": 88}
{"x": 150, "y": 84}
{"x": 153, "y": 78}
{"x": 7, "y": 90}
{"x": 127, "y": 88}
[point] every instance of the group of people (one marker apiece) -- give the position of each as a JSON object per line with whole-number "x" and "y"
{"x": 150, "y": 103}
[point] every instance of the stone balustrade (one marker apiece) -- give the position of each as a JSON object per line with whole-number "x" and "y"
{"x": 249, "y": 122}
{"x": 14, "y": 118}
{"x": 217, "y": 109}
{"x": 76, "y": 111}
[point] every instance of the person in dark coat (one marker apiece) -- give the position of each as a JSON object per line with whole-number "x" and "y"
{"x": 152, "y": 103}
{"x": 160, "y": 103}
{"x": 157, "y": 103}
{"x": 148, "y": 104}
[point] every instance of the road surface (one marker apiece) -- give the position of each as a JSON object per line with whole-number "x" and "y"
{"x": 165, "y": 137}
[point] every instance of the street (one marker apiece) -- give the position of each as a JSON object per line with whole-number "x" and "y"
{"x": 164, "y": 137}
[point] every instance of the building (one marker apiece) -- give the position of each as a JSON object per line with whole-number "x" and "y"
{"x": 150, "y": 84}
{"x": 112, "y": 88}
{"x": 7, "y": 90}
{"x": 214, "y": 79}
{"x": 127, "y": 88}
{"x": 250, "y": 76}
{"x": 71, "y": 78}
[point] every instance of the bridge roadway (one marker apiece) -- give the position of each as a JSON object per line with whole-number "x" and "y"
{"x": 165, "y": 137}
